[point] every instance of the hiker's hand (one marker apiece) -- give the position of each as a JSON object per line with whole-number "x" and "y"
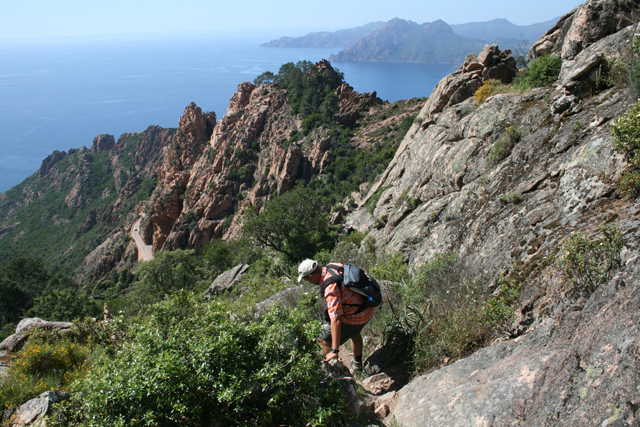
{"x": 331, "y": 355}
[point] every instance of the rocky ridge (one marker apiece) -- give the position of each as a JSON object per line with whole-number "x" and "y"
{"x": 81, "y": 198}
{"x": 254, "y": 152}
{"x": 340, "y": 38}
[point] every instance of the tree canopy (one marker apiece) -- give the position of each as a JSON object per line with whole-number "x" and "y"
{"x": 296, "y": 224}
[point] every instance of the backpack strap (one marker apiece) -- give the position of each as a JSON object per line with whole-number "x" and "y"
{"x": 335, "y": 277}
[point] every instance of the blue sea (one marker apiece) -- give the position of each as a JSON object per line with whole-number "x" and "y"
{"x": 59, "y": 94}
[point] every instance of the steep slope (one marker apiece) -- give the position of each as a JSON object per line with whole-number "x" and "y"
{"x": 406, "y": 41}
{"x": 340, "y": 38}
{"x": 80, "y": 198}
{"x": 573, "y": 362}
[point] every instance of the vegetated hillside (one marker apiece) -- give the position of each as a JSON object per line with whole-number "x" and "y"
{"x": 340, "y": 38}
{"x": 405, "y": 41}
{"x": 193, "y": 183}
{"x": 520, "y": 184}
{"x": 79, "y": 199}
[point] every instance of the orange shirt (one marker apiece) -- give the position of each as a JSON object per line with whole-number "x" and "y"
{"x": 338, "y": 296}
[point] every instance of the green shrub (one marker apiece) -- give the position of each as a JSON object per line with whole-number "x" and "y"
{"x": 500, "y": 307}
{"x": 541, "y": 72}
{"x": 356, "y": 238}
{"x": 441, "y": 315}
{"x": 205, "y": 366}
{"x": 295, "y": 224}
{"x": 502, "y": 147}
{"x": 587, "y": 263}
{"x": 626, "y": 140}
{"x": 444, "y": 312}
{"x": 514, "y": 197}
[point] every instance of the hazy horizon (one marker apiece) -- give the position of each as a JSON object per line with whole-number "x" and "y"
{"x": 74, "y": 18}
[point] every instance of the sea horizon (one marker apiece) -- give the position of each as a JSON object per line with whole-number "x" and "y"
{"x": 58, "y": 94}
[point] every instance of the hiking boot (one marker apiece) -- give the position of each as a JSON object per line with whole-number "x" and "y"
{"x": 356, "y": 366}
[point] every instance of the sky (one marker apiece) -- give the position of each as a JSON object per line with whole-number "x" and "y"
{"x": 63, "y": 18}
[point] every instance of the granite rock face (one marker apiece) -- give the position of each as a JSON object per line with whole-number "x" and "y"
{"x": 572, "y": 363}
{"x": 243, "y": 160}
{"x": 584, "y": 25}
{"x": 580, "y": 368}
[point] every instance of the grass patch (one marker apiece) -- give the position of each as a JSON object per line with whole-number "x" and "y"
{"x": 42, "y": 365}
{"x": 444, "y": 313}
{"x": 503, "y": 146}
{"x": 514, "y": 197}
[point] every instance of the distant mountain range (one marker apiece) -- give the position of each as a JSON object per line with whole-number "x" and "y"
{"x": 406, "y": 41}
{"x": 502, "y": 29}
{"x": 401, "y": 40}
{"x": 340, "y": 38}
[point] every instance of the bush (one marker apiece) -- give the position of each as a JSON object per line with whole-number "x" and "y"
{"x": 203, "y": 366}
{"x": 541, "y": 72}
{"x": 441, "y": 315}
{"x": 445, "y": 312}
{"x": 500, "y": 307}
{"x": 626, "y": 140}
{"x": 489, "y": 88}
{"x": 587, "y": 263}
{"x": 42, "y": 365}
{"x": 294, "y": 224}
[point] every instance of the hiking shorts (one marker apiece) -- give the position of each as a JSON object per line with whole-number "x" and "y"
{"x": 347, "y": 332}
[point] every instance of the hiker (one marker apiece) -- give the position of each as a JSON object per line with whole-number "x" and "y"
{"x": 346, "y": 310}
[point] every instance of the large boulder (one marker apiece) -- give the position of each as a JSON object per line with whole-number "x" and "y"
{"x": 226, "y": 281}
{"x": 285, "y": 298}
{"x": 15, "y": 342}
{"x": 35, "y": 323}
{"x": 32, "y": 413}
{"x": 491, "y": 63}
{"x": 580, "y": 74}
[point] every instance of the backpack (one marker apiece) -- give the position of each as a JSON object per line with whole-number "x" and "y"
{"x": 356, "y": 280}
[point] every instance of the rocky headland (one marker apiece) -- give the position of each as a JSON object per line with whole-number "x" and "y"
{"x": 340, "y": 38}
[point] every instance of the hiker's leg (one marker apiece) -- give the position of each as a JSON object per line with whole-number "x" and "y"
{"x": 356, "y": 345}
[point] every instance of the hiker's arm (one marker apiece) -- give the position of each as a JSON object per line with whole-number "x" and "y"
{"x": 336, "y": 329}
